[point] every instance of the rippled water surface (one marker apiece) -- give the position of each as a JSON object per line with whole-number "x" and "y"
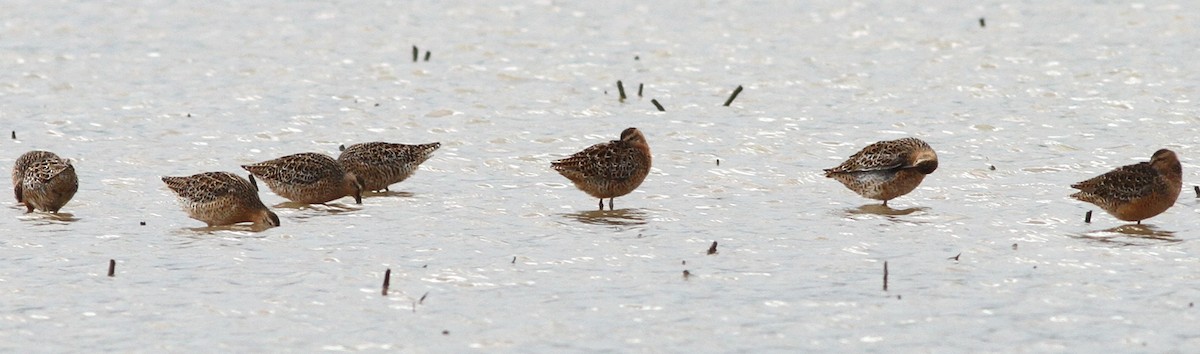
{"x": 490, "y": 249}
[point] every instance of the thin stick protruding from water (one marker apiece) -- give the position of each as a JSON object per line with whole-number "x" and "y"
{"x": 15, "y": 138}
{"x": 686, "y": 274}
{"x": 387, "y": 280}
{"x": 982, "y": 23}
{"x": 659, "y": 106}
{"x": 112, "y": 267}
{"x": 416, "y": 53}
{"x": 639, "y": 90}
{"x": 426, "y": 55}
{"x": 1196, "y": 188}
{"x": 621, "y": 90}
{"x": 885, "y": 275}
{"x": 1087, "y": 218}
{"x": 736, "y": 91}
{"x": 712, "y": 249}
{"x": 422, "y": 300}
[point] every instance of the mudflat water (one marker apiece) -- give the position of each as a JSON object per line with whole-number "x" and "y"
{"x": 490, "y": 250}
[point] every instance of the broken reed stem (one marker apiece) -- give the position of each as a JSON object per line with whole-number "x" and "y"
{"x": 426, "y": 55}
{"x": 416, "y": 53}
{"x": 712, "y": 249}
{"x": 1087, "y": 218}
{"x": 639, "y": 90}
{"x": 14, "y": 136}
{"x": 387, "y": 280}
{"x": 621, "y": 89}
{"x": 736, "y": 91}
{"x": 982, "y": 23}
{"x": 422, "y": 300}
{"x": 885, "y": 275}
{"x": 659, "y": 106}
{"x": 112, "y": 267}
{"x": 1196, "y": 188}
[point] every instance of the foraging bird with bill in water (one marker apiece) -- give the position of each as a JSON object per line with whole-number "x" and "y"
{"x": 611, "y": 169}
{"x": 309, "y": 178}
{"x": 382, "y": 164}
{"x": 221, "y": 198}
{"x": 43, "y": 181}
{"x": 887, "y": 169}
{"x": 1136, "y": 192}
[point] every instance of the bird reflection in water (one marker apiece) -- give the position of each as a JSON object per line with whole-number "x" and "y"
{"x": 619, "y": 217}
{"x": 1131, "y": 235}
{"x": 49, "y": 218}
{"x": 883, "y": 210}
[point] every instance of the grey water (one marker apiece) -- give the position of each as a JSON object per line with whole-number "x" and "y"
{"x": 491, "y": 250}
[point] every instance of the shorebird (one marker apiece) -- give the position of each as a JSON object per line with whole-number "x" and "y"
{"x": 221, "y": 198}
{"x": 609, "y": 170}
{"x": 309, "y": 178}
{"x": 1136, "y": 192}
{"x": 382, "y": 164}
{"x": 886, "y": 169}
{"x": 43, "y": 181}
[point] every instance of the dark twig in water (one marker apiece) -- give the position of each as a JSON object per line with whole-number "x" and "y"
{"x": 712, "y": 249}
{"x": 1014, "y": 247}
{"x": 639, "y": 90}
{"x": 885, "y": 275}
{"x": 686, "y": 274}
{"x": 955, "y": 258}
{"x": 982, "y": 23}
{"x": 736, "y": 91}
{"x": 416, "y": 53}
{"x": 1088, "y": 217}
{"x": 422, "y": 299}
{"x": 342, "y": 147}
{"x": 718, "y": 162}
{"x": 14, "y": 135}
{"x": 685, "y": 262}
{"x": 387, "y": 280}
{"x": 143, "y": 223}
{"x": 660, "y": 107}
{"x": 621, "y": 90}
{"x": 514, "y": 261}
{"x": 426, "y": 55}
{"x": 112, "y": 267}
{"x": 1196, "y": 188}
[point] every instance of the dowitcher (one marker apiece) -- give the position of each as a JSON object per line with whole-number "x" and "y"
{"x": 1136, "y": 192}
{"x": 308, "y": 177}
{"x": 886, "y": 169}
{"x": 609, "y": 170}
{"x": 43, "y": 181}
{"x": 382, "y": 164}
{"x": 221, "y": 198}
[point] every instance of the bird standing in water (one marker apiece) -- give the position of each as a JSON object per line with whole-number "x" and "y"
{"x": 221, "y": 198}
{"x": 1136, "y": 192}
{"x": 886, "y": 169}
{"x": 309, "y": 178}
{"x": 609, "y": 170}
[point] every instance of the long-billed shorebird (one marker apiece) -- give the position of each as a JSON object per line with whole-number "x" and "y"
{"x": 309, "y": 178}
{"x": 382, "y": 164}
{"x": 609, "y": 170}
{"x": 1136, "y": 192}
{"x": 886, "y": 169}
{"x": 43, "y": 181}
{"x": 221, "y": 198}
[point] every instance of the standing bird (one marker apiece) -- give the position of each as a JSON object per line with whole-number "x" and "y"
{"x": 609, "y": 170}
{"x": 886, "y": 169}
{"x": 1136, "y": 192}
{"x": 382, "y": 164}
{"x": 43, "y": 181}
{"x": 221, "y": 198}
{"x": 309, "y": 178}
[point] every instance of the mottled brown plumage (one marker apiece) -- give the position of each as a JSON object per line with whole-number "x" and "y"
{"x": 221, "y": 198}
{"x": 609, "y": 170}
{"x": 43, "y": 181}
{"x": 382, "y": 164}
{"x": 1136, "y": 192}
{"x": 886, "y": 169}
{"x": 310, "y": 178}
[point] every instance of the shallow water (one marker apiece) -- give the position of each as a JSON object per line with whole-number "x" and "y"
{"x": 507, "y": 255}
